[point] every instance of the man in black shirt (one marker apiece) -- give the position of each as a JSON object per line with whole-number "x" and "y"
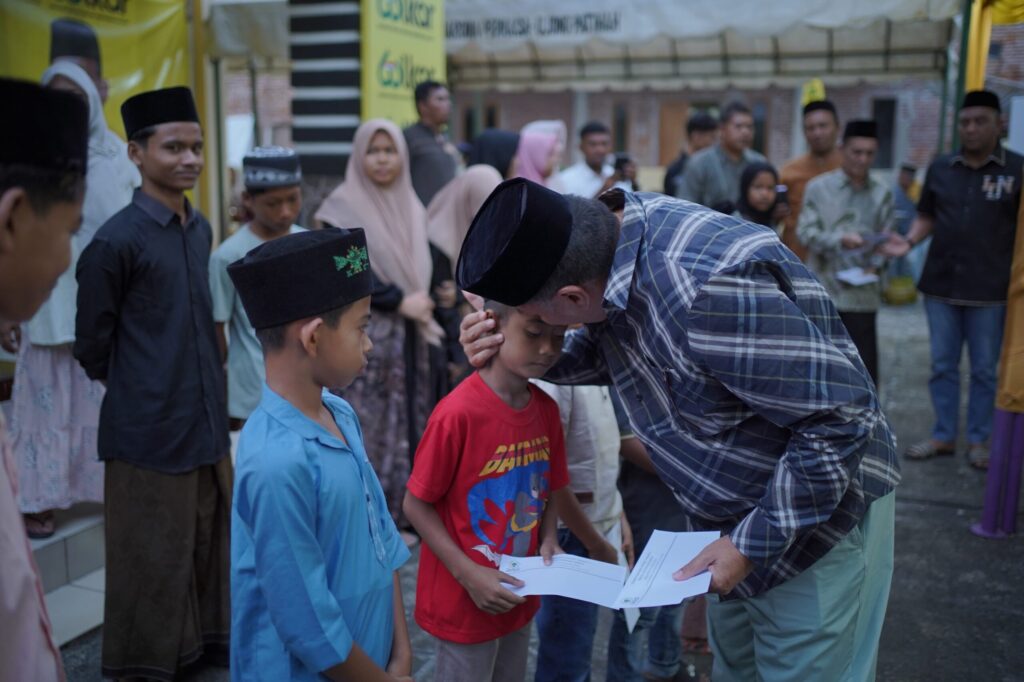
{"x": 969, "y": 205}
{"x": 701, "y": 132}
{"x": 145, "y": 328}
{"x": 432, "y": 158}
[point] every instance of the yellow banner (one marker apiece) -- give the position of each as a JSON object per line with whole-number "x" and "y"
{"x": 813, "y": 91}
{"x": 402, "y": 45}
{"x": 143, "y": 44}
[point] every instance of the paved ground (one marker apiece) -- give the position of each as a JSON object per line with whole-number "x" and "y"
{"x": 956, "y": 610}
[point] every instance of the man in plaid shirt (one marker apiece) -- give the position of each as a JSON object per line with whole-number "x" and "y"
{"x": 742, "y": 382}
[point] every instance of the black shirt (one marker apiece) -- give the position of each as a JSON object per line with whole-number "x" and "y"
{"x": 673, "y": 172}
{"x": 430, "y": 164}
{"x": 145, "y": 326}
{"x": 975, "y": 220}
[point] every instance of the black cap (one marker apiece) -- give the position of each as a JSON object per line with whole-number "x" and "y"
{"x": 515, "y": 242}
{"x": 908, "y": 167}
{"x": 862, "y": 128}
{"x": 270, "y": 167}
{"x": 43, "y": 127}
{"x": 821, "y": 105}
{"x": 981, "y": 98}
{"x": 72, "y": 38}
{"x": 170, "y": 105}
{"x": 302, "y": 275}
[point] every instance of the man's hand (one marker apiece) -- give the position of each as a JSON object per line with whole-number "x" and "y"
{"x": 896, "y": 246}
{"x": 628, "y": 548}
{"x": 727, "y": 566}
{"x": 549, "y": 547}
{"x": 852, "y": 240}
{"x": 484, "y": 586}
{"x": 10, "y": 337}
{"x": 477, "y": 339}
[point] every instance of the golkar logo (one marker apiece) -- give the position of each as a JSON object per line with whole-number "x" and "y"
{"x": 402, "y": 72}
{"x": 111, "y": 6}
{"x": 413, "y": 12}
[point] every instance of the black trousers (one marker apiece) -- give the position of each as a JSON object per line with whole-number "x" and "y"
{"x": 862, "y": 328}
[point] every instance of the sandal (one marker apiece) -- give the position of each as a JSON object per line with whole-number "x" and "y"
{"x": 977, "y": 456}
{"x": 40, "y": 526}
{"x": 927, "y": 449}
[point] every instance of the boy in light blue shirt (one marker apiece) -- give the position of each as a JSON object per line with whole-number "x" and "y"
{"x": 314, "y": 552}
{"x": 274, "y": 198}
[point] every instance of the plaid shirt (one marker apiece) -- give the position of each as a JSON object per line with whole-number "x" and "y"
{"x": 742, "y": 382}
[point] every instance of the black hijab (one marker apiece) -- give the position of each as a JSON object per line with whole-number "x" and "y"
{"x": 746, "y": 180}
{"x": 496, "y": 148}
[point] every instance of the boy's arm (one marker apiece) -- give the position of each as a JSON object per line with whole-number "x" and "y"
{"x": 575, "y": 519}
{"x": 401, "y": 649}
{"x": 100, "y": 277}
{"x": 549, "y": 546}
{"x": 360, "y": 667}
{"x": 482, "y": 583}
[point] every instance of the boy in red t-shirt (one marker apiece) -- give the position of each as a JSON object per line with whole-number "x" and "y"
{"x": 491, "y": 457}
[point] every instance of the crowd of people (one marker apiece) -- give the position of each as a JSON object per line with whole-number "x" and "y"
{"x": 483, "y": 357}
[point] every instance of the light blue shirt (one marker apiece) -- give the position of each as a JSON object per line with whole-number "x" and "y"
{"x": 245, "y": 356}
{"x": 313, "y": 548}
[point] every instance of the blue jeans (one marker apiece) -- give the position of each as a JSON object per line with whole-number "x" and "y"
{"x": 565, "y": 630}
{"x": 662, "y": 625}
{"x": 949, "y": 326}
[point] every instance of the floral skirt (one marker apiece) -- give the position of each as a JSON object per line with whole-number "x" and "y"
{"x": 55, "y": 413}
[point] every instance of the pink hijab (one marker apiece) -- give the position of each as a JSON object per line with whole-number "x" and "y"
{"x": 393, "y": 217}
{"x": 451, "y": 212}
{"x": 534, "y": 151}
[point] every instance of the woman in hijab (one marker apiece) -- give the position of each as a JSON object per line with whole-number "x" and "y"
{"x": 758, "y": 193}
{"x": 393, "y": 397}
{"x": 448, "y": 219}
{"x": 558, "y": 129}
{"x": 497, "y": 149}
{"x": 55, "y": 407}
{"x": 537, "y": 156}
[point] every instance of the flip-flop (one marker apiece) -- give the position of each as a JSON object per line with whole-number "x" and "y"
{"x": 977, "y": 457}
{"x": 927, "y": 449}
{"x": 40, "y": 526}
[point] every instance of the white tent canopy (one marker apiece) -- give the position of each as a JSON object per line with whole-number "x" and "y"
{"x": 710, "y": 43}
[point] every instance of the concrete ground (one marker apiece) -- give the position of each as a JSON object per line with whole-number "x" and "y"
{"x": 956, "y": 611}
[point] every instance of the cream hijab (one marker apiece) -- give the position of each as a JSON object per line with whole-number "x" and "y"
{"x": 393, "y": 217}
{"x": 451, "y": 212}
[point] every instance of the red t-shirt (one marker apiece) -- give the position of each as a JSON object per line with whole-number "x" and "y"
{"x": 488, "y": 470}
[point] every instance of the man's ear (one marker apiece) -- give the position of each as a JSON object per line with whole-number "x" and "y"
{"x": 135, "y": 152}
{"x": 10, "y": 201}
{"x": 574, "y": 295}
{"x": 309, "y": 335}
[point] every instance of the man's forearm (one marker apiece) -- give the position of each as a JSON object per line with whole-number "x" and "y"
{"x": 575, "y": 519}
{"x": 920, "y": 228}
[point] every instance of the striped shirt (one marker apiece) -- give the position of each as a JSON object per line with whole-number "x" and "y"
{"x": 741, "y": 380}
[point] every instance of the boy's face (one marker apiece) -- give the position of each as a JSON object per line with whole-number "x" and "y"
{"x": 531, "y": 346}
{"x": 172, "y": 157}
{"x": 342, "y": 351}
{"x": 35, "y": 248}
{"x": 276, "y": 209}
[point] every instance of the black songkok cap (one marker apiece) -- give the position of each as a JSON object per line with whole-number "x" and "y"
{"x": 71, "y": 38}
{"x": 42, "y": 127}
{"x": 170, "y": 105}
{"x": 821, "y": 105}
{"x": 861, "y": 129}
{"x": 908, "y": 167}
{"x": 271, "y": 167}
{"x": 515, "y": 242}
{"x": 981, "y": 98}
{"x": 302, "y": 275}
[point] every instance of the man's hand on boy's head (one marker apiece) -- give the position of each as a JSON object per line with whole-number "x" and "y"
{"x": 485, "y": 588}
{"x": 477, "y": 338}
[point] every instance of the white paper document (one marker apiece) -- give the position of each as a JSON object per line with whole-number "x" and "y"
{"x": 649, "y": 584}
{"x": 856, "y": 277}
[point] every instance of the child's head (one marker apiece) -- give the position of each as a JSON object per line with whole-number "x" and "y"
{"x": 272, "y": 193}
{"x": 531, "y": 346}
{"x": 43, "y": 150}
{"x": 759, "y": 184}
{"x": 165, "y": 141}
{"x": 333, "y": 345}
{"x": 307, "y": 296}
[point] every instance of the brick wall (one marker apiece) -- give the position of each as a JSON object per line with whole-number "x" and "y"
{"x": 273, "y": 98}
